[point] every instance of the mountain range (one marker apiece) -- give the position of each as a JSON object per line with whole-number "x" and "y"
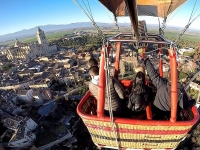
{"x": 55, "y": 28}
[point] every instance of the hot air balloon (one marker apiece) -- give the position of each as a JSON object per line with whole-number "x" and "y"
{"x": 134, "y": 133}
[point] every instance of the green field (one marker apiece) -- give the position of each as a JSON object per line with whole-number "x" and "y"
{"x": 29, "y": 40}
{"x": 186, "y": 36}
{"x": 56, "y": 35}
{"x": 49, "y": 36}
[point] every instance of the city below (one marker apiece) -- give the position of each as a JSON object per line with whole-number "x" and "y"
{"x": 43, "y": 81}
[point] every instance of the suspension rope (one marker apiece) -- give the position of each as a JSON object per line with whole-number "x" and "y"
{"x": 108, "y": 93}
{"x": 116, "y": 24}
{"x": 115, "y": 18}
{"x": 90, "y": 17}
{"x": 89, "y": 9}
{"x": 174, "y": 14}
{"x": 192, "y": 13}
{"x": 185, "y": 29}
{"x": 170, "y": 6}
{"x": 166, "y": 21}
{"x": 188, "y": 24}
{"x": 105, "y": 11}
{"x": 136, "y": 45}
{"x": 161, "y": 30}
{"x": 164, "y": 24}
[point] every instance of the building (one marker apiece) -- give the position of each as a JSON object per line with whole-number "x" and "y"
{"x": 6, "y": 94}
{"x": 30, "y": 96}
{"x": 23, "y": 136}
{"x": 10, "y": 108}
{"x": 30, "y": 51}
{"x": 10, "y": 122}
{"x": 187, "y": 49}
{"x": 48, "y": 108}
{"x": 25, "y": 95}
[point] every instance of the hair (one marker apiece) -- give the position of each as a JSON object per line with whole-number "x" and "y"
{"x": 139, "y": 68}
{"x": 139, "y": 83}
{"x": 92, "y": 62}
{"x": 94, "y": 70}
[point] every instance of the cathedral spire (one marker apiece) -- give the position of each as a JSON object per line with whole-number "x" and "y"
{"x": 17, "y": 43}
{"x": 41, "y": 36}
{"x": 39, "y": 30}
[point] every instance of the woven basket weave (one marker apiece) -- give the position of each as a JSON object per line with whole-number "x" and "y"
{"x": 132, "y": 133}
{"x": 136, "y": 136}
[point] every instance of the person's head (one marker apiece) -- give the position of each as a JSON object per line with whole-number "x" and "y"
{"x": 139, "y": 83}
{"x": 139, "y": 68}
{"x": 92, "y": 62}
{"x": 94, "y": 71}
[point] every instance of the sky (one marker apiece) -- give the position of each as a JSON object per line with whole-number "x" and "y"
{"x": 16, "y": 15}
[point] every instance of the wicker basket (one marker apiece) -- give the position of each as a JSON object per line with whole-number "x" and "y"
{"x": 133, "y": 133}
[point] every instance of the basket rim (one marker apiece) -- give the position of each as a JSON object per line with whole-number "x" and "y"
{"x": 135, "y": 121}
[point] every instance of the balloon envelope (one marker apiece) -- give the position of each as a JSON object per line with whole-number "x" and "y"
{"x": 156, "y": 8}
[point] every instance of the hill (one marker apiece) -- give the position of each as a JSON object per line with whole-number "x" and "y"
{"x": 52, "y": 28}
{"x": 27, "y": 33}
{"x": 63, "y": 27}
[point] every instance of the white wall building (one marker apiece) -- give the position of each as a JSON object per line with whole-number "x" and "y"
{"x": 28, "y": 52}
{"x": 11, "y": 108}
{"x": 23, "y": 136}
{"x": 25, "y": 96}
{"x": 30, "y": 96}
{"x": 187, "y": 49}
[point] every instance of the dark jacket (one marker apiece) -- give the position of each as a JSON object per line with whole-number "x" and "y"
{"x": 117, "y": 94}
{"x": 138, "y": 102}
{"x": 162, "y": 98}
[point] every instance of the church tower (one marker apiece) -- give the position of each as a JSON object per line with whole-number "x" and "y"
{"x": 41, "y": 37}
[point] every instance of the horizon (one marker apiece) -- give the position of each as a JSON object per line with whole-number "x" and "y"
{"x": 30, "y": 14}
{"x": 170, "y": 26}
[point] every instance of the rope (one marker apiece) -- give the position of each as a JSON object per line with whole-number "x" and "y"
{"x": 161, "y": 30}
{"x": 185, "y": 29}
{"x": 188, "y": 24}
{"x": 113, "y": 21}
{"x": 164, "y": 24}
{"x": 115, "y": 18}
{"x": 106, "y": 67}
{"x": 136, "y": 45}
{"x": 106, "y": 12}
{"x": 174, "y": 14}
{"x": 89, "y": 8}
{"x": 89, "y": 15}
{"x": 166, "y": 21}
{"x": 170, "y": 6}
{"x": 116, "y": 24}
{"x": 192, "y": 13}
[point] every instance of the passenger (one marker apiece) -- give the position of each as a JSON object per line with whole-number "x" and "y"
{"x": 117, "y": 93}
{"x": 92, "y": 62}
{"x": 150, "y": 85}
{"x": 162, "y": 98}
{"x": 140, "y": 95}
{"x": 139, "y": 68}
